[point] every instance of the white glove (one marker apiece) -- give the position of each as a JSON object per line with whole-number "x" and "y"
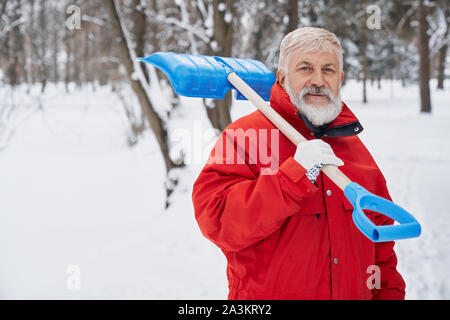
{"x": 315, "y": 152}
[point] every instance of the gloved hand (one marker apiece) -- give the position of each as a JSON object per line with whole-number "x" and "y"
{"x": 313, "y": 155}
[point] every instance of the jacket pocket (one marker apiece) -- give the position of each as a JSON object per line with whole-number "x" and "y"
{"x": 309, "y": 217}
{"x": 312, "y": 206}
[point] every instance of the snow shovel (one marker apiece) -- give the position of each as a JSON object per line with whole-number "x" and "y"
{"x": 212, "y": 76}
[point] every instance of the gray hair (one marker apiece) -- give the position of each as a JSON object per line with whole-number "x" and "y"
{"x": 309, "y": 39}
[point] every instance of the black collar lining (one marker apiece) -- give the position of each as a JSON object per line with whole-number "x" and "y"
{"x": 343, "y": 130}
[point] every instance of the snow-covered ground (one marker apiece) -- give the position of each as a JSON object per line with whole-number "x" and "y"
{"x": 82, "y": 214}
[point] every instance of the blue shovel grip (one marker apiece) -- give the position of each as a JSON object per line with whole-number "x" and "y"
{"x": 360, "y": 198}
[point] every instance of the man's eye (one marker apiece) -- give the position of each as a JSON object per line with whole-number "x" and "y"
{"x": 328, "y": 70}
{"x": 305, "y": 68}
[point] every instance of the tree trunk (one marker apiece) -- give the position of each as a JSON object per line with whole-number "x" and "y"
{"x": 219, "y": 114}
{"x": 443, "y": 50}
{"x": 364, "y": 62}
{"x": 43, "y": 47}
{"x": 217, "y": 111}
{"x": 15, "y": 64}
{"x": 364, "y": 69}
{"x": 55, "y": 45}
{"x": 424, "y": 53}
{"x": 138, "y": 31}
{"x": 292, "y": 11}
{"x": 156, "y": 123}
{"x": 441, "y": 67}
{"x": 68, "y": 69}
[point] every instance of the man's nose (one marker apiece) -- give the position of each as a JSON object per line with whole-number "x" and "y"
{"x": 317, "y": 78}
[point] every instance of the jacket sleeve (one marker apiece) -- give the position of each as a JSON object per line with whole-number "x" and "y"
{"x": 236, "y": 207}
{"x": 392, "y": 283}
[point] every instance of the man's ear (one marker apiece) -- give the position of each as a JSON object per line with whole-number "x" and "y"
{"x": 281, "y": 77}
{"x": 342, "y": 77}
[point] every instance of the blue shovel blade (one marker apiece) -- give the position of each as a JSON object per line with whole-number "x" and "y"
{"x": 360, "y": 198}
{"x": 206, "y": 76}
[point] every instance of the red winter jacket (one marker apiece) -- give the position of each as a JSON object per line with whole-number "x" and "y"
{"x": 283, "y": 236}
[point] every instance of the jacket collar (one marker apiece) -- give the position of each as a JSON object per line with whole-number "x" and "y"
{"x": 346, "y": 124}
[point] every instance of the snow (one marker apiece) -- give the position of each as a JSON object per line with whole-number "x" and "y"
{"x": 221, "y": 7}
{"x": 214, "y": 45}
{"x": 228, "y": 17}
{"x": 74, "y": 195}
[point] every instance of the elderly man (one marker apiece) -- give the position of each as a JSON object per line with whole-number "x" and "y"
{"x": 290, "y": 234}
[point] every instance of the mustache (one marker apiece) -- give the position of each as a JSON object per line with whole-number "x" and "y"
{"x": 323, "y": 91}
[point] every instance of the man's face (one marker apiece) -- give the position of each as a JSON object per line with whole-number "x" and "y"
{"x": 313, "y": 83}
{"x": 307, "y": 69}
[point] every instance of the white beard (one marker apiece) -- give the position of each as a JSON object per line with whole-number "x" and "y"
{"x": 318, "y": 115}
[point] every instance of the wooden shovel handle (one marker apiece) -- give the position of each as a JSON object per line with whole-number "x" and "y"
{"x": 336, "y": 175}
